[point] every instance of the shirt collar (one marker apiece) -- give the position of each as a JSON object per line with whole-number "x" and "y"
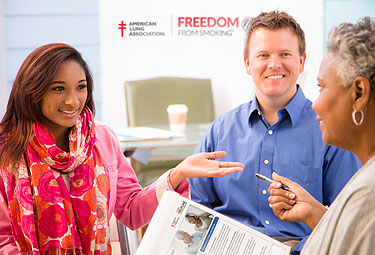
{"x": 296, "y": 105}
{"x": 254, "y": 108}
{"x": 293, "y": 108}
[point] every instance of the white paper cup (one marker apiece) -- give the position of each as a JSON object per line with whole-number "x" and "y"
{"x": 177, "y": 116}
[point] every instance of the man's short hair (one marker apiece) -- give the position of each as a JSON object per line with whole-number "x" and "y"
{"x": 275, "y": 20}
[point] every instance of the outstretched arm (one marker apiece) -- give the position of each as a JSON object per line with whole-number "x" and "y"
{"x": 296, "y": 204}
{"x": 203, "y": 165}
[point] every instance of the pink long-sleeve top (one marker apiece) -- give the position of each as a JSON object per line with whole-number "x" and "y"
{"x": 132, "y": 205}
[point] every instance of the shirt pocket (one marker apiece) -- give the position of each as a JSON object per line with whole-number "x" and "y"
{"x": 310, "y": 178}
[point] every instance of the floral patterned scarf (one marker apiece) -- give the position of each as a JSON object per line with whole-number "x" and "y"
{"x": 46, "y": 217}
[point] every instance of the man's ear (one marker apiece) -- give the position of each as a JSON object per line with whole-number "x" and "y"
{"x": 360, "y": 92}
{"x": 302, "y": 60}
{"x": 247, "y": 65}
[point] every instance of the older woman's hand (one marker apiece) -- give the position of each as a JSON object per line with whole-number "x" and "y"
{"x": 203, "y": 165}
{"x": 294, "y": 205}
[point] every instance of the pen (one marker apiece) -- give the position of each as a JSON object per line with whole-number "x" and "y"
{"x": 264, "y": 178}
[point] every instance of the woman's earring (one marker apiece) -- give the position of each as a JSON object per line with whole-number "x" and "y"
{"x": 357, "y": 123}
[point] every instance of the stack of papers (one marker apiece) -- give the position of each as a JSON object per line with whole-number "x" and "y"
{"x": 143, "y": 133}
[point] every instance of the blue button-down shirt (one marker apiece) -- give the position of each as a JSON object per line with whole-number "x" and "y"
{"x": 292, "y": 147}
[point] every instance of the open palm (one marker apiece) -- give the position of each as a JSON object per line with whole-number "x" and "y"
{"x": 203, "y": 165}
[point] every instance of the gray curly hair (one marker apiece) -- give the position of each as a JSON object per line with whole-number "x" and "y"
{"x": 354, "y": 46}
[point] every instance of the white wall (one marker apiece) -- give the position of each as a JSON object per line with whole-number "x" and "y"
{"x": 3, "y": 79}
{"x": 218, "y": 58}
{"x": 30, "y": 24}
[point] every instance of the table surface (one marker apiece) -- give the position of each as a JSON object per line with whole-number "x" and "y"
{"x": 191, "y": 138}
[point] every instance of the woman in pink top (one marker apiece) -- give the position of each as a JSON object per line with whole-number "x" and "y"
{"x": 62, "y": 174}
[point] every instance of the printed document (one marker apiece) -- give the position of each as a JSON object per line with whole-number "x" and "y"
{"x": 181, "y": 226}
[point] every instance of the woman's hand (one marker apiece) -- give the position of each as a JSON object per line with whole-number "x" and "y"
{"x": 296, "y": 204}
{"x": 203, "y": 165}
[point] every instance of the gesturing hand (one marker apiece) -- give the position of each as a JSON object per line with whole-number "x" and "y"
{"x": 203, "y": 165}
{"x": 294, "y": 205}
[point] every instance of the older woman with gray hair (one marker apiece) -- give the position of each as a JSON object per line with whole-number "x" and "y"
{"x": 346, "y": 112}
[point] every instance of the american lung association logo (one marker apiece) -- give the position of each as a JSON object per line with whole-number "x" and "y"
{"x": 143, "y": 28}
{"x": 182, "y": 26}
{"x": 122, "y": 27}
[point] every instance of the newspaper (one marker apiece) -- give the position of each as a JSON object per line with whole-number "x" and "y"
{"x": 181, "y": 226}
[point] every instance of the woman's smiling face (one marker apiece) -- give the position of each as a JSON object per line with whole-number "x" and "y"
{"x": 65, "y": 97}
{"x": 334, "y": 104}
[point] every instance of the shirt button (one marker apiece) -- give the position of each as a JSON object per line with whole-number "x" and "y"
{"x": 270, "y": 132}
{"x": 266, "y": 161}
{"x": 264, "y": 192}
{"x": 259, "y": 113}
{"x": 267, "y": 222}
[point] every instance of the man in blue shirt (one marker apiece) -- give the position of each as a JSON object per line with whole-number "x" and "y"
{"x": 277, "y": 131}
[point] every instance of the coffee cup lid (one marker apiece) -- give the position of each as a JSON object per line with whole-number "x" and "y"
{"x": 177, "y": 108}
